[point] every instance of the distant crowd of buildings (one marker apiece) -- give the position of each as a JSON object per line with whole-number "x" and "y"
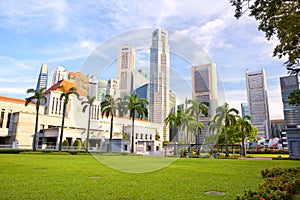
{"x": 17, "y": 121}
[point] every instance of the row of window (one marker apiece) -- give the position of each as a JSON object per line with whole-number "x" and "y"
{"x": 141, "y": 136}
{"x": 2, "y": 115}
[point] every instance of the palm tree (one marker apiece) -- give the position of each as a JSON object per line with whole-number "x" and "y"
{"x": 245, "y": 127}
{"x": 88, "y": 103}
{"x": 139, "y": 107}
{"x": 225, "y": 117}
{"x": 185, "y": 120}
{"x": 38, "y": 97}
{"x": 174, "y": 121}
{"x": 65, "y": 95}
{"x": 198, "y": 107}
{"x": 109, "y": 107}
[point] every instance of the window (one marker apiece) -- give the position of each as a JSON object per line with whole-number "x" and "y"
{"x": 2, "y": 117}
{"x": 8, "y": 118}
{"x": 141, "y": 136}
{"x": 146, "y": 136}
{"x": 136, "y": 136}
{"x": 125, "y": 147}
{"x": 150, "y": 137}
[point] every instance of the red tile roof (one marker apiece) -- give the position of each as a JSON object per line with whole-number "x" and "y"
{"x": 14, "y": 100}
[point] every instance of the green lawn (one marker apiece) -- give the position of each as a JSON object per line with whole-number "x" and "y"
{"x": 45, "y": 176}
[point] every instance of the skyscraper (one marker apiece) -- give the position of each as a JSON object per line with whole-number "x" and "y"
{"x": 258, "y": 101}
{"x": 101, "y": 89}
{"x": 160, "y": 79}
{"x": 58, "y": 74}
{"x": 43, "y": 77}
{"x": 125, "y": 66}
{"x": 93, "y": 86}
{"x": 291, "y": 113}
{"x": 81, "y": 82}
{"x": 205, "y": 89}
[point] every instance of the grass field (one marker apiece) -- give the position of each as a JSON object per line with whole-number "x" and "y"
{"x": 45, "y": 176}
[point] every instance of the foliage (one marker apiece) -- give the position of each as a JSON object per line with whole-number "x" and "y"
{"x": 280, "y": 183}
{"x": 224, "y": 118}
{"x": 157, "y": 137}
{"x": 109, "y": 107}
{"x": 65, "y": 95}
{"x": 276, "y": 18}
{"x": 39, "y": 99}
{"x": 65, "y": 143}
{"x": 137, "y": 108}
{"x": 294, "y": 98}
{"x": 174, "y": 121}
{"x": 77, "y": 143}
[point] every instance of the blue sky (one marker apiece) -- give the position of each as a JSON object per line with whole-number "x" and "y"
{"x": 66, "y": 33}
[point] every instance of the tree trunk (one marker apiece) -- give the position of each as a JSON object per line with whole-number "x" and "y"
{"x": 132, "y": 133}
{"x": 243, "y": 144}
{"x": 111, "y": 133}
{"x": 226, "y": 141}
{"x": 36, "y": 128}
{"x": 88, "y": 131}
{"x": 62, "y": 127}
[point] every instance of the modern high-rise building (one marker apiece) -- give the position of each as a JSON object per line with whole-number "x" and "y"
{"x": 125, "y": 66}
{"x": 205, "y": 89}
{"x": 244, "y": 109}
{"x": 160, "y": 79}
{"x": 81, "y": 82}
{"x": 258, "y": 102}
{"x": 58, "y": 74}
{"x": 102, "y": 86}
{"x": 93, "y": 86}
{"x": 43, "y": 77}
{"x": 291, "y": 113}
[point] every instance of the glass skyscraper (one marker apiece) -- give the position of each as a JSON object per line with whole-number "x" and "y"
{"x": 43, "y": 77}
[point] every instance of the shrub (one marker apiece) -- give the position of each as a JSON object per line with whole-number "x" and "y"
{"x": 65, "y": 143}
{"x": 78, "y": 143}
{"x": 280, "y": 183}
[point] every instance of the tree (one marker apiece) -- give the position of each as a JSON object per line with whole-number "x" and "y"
{"x": 65, "y": 96}
{"x": 88, "y": 104}
{"x": 243, "y": 123}
{"x": 139, "y": 107}
{"x": 109, "y": 107}
{"x": 38, "y": 97}
{"x": 294, "y": 98}
{"x": 276, "y": 18}
{"x": 174, "y": 121}
{"x": 224, "y": 118}
{"x": 198, "y": 108}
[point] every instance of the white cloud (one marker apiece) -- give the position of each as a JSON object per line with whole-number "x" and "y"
{"x": 15, "y": 91}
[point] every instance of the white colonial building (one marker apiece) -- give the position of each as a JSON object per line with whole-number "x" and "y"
{"x": 18, "y": 123}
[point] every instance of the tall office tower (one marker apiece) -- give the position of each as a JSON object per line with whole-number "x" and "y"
{"x": 112, "y": 88}
{"x": 125, "y": 66}
{"x": 291, "y": 113}
{"x": 258, "y": 101}
{"x": 244, "y": 109}
{"x": 58, "y": 74}
{"x": 160, "y": 79}
{"x": 93, "y": 86}
{"x": 205, "y": 89}
{"x": 102, "y": 85}
{"x": 81, "y": 82}
{"x": 43, "y": 77}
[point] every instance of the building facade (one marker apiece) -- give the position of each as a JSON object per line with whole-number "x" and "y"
{"x": 291, "y": 113}
{"x": 160, "y": 79}
{"x": 43, "y": 77}
{"x": 102, "y": 86}
{"x": 93, "y": 86}
{"x": 58, "y": 74}
{"x": 258, "y": 102}
{"x": 125, "y": 66}
{"x": 112, "y": 88}
{"x": 80, "y": 81}
{"x": 244, "y": 109}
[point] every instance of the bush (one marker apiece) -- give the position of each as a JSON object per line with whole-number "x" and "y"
{"x": 78, "y": 143}
{"x": 65, "y": 143}
{"x": 280, "y": 183}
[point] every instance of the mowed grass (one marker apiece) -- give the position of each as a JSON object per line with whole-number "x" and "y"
{"x": 45, "y": 176}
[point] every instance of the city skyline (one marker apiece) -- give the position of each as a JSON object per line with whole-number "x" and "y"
{"x": 63, "y": 34}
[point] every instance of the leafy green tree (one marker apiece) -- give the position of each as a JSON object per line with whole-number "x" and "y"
{"x": 109, "y": 107}
{"x": 88, "y": 104}
{"x": 294, "y": 98}
{"x": 243, "y": 123}
{"x": 174, "y": 122}
{"x": 198, "y": 107}
{"x": 224, "y": 118}
{"x": 38, "y": 97}
{"x": 137, "y": 107}
{"x": 276, "y": 18}
{"x": 65, "y": 96}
